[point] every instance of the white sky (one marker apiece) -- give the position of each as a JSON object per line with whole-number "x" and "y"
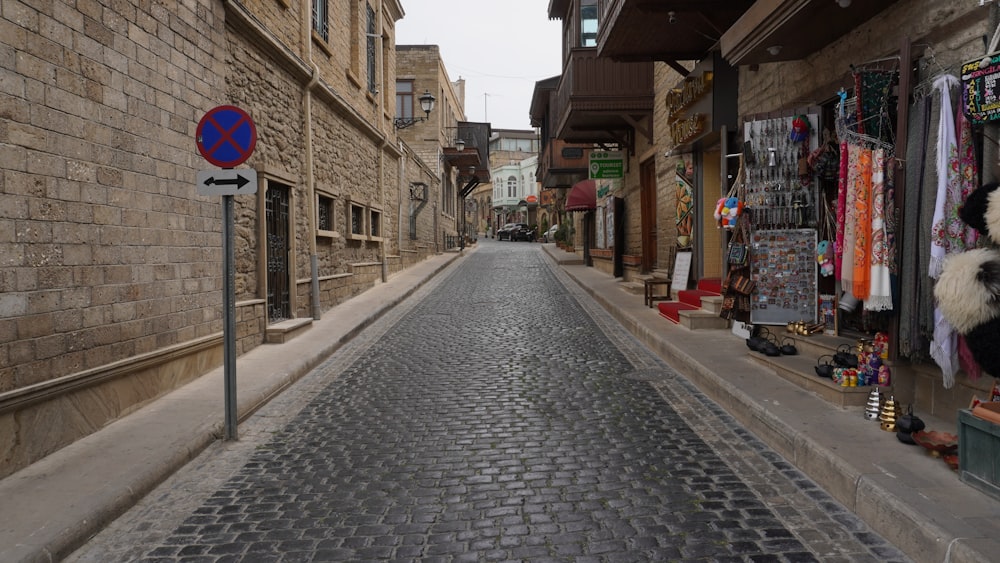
{"x": 501, "y": 48}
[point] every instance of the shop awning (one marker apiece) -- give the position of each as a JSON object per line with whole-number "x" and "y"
{"x": 582, "y": 196}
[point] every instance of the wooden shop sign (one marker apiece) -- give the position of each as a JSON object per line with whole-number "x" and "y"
{"x": 980, "y": 93}
{"x": 688, "y": 129}
{"x": 691, "y": 89}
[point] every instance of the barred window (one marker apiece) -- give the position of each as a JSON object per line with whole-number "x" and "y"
{"x": 320, "y": 21}
{"x": 372, "y": 85}
{"x": 324, "y": 211}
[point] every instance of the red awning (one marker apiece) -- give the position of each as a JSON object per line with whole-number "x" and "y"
{"x": 582, "y": 196}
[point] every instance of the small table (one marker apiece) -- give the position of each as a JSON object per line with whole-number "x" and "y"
{"x": 649, "y": 285}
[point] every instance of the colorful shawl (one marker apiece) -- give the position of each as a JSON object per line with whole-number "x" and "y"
{"x": 838, "y": 247}
{"x": 850, "y": 218}
{"x": 947, "y": 233}
{"x": 861, "y": 281}
{"x": 880, "y": 293}
{"x": 944, "y": 348}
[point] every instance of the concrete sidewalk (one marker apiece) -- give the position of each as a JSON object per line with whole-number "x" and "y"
{"x": 913, "y": 500}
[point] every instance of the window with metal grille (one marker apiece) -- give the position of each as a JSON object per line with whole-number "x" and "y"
{"x": 324, "y": 212}
{"x": 375, "y": 219}
{"x": 371, "y": 36}
{"x": 320, "y": 20}
{"x": 357, "y": 219}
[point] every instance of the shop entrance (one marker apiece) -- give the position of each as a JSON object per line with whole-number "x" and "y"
{"x": 278, "y": 294}
{"x": 647, "y": 188}
{"x": 709, "y": 191}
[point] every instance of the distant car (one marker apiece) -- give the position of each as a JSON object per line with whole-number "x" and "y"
{"x": 550, "y": 235}
{"x": 522, "y": 232}
{"x": 503, "y": 233}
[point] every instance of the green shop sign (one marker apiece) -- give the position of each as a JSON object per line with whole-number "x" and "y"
{"x": 606, "y": 165}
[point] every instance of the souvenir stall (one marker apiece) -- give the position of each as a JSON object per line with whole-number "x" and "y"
{"x": 772, "y": 213}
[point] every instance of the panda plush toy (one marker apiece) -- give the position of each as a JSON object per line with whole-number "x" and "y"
{"x": 968, "y": 289}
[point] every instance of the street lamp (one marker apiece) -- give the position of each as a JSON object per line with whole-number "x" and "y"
{"x": 459, "y": 145}
{"x": 426, "y": 103}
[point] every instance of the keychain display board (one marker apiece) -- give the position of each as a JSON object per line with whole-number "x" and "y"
{"x": 783, "y": 263}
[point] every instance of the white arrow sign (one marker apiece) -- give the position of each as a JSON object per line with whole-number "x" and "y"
{"x": 234, "y": 181}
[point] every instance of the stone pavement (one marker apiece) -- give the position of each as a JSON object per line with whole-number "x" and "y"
{"x": 50, "y": 508}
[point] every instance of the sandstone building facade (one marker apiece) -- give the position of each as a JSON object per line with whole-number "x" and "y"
{"x": 111, "y": 286}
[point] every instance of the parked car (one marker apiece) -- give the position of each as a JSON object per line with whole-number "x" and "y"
{"x": 522, "y": 232}
{"x": 550, "y": 235}
{"x": 503, "y": 233}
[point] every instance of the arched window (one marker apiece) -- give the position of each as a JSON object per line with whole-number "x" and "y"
{"x": 512, "y": 186}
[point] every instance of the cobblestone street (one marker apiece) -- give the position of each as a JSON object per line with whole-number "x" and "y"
{"x": 499, "y": 414}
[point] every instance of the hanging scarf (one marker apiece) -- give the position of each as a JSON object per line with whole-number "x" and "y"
{"x": 946, "y": 236}
{"x": 838, "y": 247}
{"x": 861, "y": 282}
{"x": 968, "y": 172}
{"x": 880, "y": 294}
{"x": 850, "y": 218}
{"x": 944, "y": 347}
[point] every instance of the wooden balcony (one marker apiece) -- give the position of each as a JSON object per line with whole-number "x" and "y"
{"x": 561, "y": 164}
{"x": 602, "y": 101}
{"x": 678, "y": 30}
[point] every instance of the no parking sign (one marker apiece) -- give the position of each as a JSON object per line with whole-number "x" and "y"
{"x": 226, "y": 136}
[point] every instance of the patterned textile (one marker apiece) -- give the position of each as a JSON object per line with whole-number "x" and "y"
{"x": 945, "y": 234}
{"x": 838, "y": 247}
{"x": 880, "y": 292}
{"x": 874, "y": 88}
{"x": 850, "y": 217}
{"x": 956, "y": 176}
{"x": 861, "y": 282}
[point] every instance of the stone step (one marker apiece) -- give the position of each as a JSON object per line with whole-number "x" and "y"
{"x": 700, "y": 319}
{"x": 814, "y": 345}
{"x": 281, "y": 332}
{"x": 800, "y": 370}
{"x": 712, "y": 303}
{"x": 633, "y": 287}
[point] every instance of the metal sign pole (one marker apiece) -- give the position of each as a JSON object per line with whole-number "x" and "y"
{"x": 226, "y": 137}
{"x": 229, "y": 317}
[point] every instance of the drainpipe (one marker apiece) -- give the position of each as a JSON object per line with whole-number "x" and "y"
{"x": 402, "y": 195}
{"x": 379, "y": 103}
{"x": 306, "y": 34}
{"x": 311, "y": 194}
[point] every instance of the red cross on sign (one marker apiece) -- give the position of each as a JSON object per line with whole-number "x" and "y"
{"x": 226, "y": 136}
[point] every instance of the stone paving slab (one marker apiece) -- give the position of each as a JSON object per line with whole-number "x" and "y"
{"x": 400, "y": 447}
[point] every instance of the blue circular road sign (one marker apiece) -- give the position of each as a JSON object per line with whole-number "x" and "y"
{"x": 226, "y": 136}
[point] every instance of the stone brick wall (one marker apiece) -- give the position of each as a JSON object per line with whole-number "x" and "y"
{"x": 110, "y": 285}
{"x": 105, "y": 251}
{"x": 953, "y": 31}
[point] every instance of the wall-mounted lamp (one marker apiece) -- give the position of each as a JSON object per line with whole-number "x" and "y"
{"x": 773, "y": 50}
{"x": 459, "y": 145}
{"x": 843, "y": 3}
{"x": 426, "y": 103}
{"x": 472, "y": 171}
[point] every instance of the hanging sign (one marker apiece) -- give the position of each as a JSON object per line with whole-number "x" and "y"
{"x": 980, "y": 93}
{"x": 606, "y": 165}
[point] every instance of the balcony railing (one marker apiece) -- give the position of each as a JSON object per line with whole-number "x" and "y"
{"x": 599, "y": 98}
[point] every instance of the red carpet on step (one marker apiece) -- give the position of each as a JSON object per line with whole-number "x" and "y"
{"x": 672, "y": 310}
{"x": 689, "y": 299}
{"x": 712, "y": 285}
